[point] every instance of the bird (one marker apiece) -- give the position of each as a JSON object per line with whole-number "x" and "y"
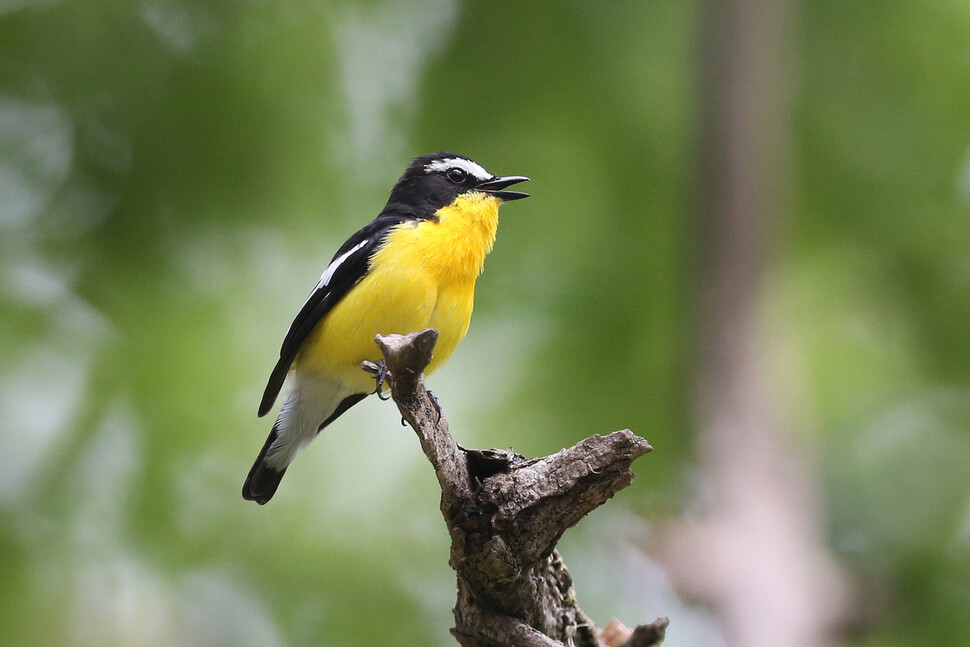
{"x": 413, "y": 267}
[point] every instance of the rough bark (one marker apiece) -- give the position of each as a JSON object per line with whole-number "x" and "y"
{"x": 505, "y": 513}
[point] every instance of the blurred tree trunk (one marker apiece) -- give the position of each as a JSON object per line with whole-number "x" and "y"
{"x": 758, "y": 557}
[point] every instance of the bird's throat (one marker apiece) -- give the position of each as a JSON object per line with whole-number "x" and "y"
{"x": 452, "y": 246}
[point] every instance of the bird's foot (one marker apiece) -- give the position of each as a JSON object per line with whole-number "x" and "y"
{"x": 380, "y": 376}
{"x": 436, "y": 405}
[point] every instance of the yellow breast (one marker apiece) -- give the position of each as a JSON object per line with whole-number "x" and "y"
{"x": 423, "y": 276}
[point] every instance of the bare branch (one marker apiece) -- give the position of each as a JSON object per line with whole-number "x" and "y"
{"x": 617, "y": 635}
{"x": 496, "y": 629}
{"x": 548, "y": 496}
{"x": 406, "y": 358}
{"x": 648, "y": 635}
{"x": 505, "y": 513}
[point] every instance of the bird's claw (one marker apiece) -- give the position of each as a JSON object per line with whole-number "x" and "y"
{"x": 380, "y": 377}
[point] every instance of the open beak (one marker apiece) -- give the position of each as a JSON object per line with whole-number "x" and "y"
{"x": 494, "y": 187}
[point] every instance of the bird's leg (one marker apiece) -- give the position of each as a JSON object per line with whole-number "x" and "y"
{"x": 379, "y": 377}
{"x": 436, "y": 405}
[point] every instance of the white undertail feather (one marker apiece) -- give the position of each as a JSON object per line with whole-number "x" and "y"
{"x": 310, "y": 400}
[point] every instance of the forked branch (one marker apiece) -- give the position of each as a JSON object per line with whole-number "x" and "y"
{"x": 505, "y": 513}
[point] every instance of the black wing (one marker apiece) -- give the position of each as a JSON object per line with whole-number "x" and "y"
{"x": 349, "y": 265}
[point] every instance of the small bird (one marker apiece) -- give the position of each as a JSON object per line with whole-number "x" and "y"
{"x": 413, "y": 267}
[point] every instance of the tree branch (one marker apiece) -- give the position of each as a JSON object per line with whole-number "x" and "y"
{"x": 505, "y": 513}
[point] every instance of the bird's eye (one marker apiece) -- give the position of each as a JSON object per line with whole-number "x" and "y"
{"x": 456, "y": 174}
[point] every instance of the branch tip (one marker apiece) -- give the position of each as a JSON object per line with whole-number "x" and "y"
{"x": 412, "y": 352}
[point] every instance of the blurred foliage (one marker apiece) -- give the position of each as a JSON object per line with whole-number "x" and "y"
{"x": 174, "y": 175}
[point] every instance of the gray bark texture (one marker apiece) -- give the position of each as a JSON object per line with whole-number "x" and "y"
{"x": 505, "y": 513}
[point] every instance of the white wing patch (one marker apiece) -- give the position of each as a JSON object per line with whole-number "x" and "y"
{"x": 332, "y": 269}
{"x": 336, "y": 263}
{"x": 469, "y": 166}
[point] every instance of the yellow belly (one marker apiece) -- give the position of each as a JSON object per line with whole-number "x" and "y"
{"x": 423, "y": 277}
{"x": 388, "y": 300}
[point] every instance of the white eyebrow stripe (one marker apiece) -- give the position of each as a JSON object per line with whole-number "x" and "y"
{"x": 469, "y": 166}
{"x": 336, "y": 263}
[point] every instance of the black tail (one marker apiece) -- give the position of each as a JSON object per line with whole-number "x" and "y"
{"x": 261, "y": 484}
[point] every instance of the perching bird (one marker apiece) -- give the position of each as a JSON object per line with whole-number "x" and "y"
{"x": 413, "y": 267}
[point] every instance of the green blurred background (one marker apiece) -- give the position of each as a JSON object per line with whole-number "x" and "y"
{"x": 175, "y": 175}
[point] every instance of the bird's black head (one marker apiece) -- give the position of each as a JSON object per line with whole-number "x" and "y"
{"x": 434, "y": 181}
